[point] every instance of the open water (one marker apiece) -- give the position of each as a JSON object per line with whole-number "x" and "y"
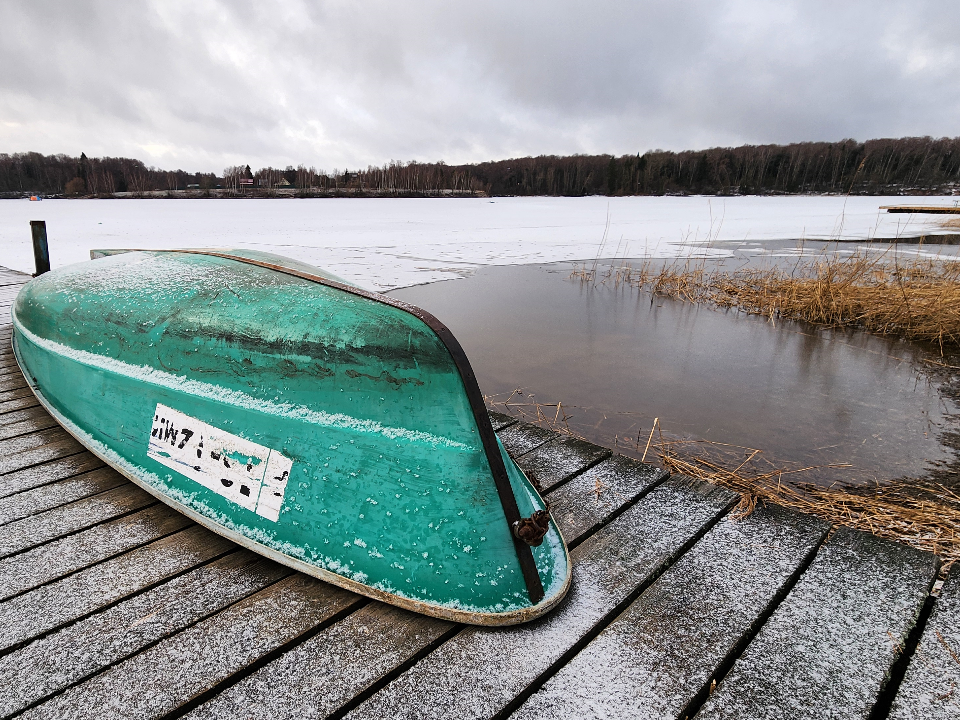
{"x": 617, "y": 358}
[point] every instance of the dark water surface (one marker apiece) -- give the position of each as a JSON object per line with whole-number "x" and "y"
{"x": 618, "y": 357}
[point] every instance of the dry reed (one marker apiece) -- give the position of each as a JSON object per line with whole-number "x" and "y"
{"x": 923, "y": 515}
{"x": 918, "y": 299}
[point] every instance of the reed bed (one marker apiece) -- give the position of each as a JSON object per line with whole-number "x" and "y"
{"x": 922, "y": 514}
{"x": 917, "y": 299}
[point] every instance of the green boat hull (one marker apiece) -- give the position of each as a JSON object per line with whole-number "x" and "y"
{"x": 332, "y": 429}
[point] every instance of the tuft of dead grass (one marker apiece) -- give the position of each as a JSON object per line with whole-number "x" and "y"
{"x": 924, "y": 516}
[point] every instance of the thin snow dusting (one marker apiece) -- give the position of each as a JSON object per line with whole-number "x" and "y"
{"x": 129, "y": 626}
{"x": 37, "y": 500}
{"x": 46, "y": 526}
{"x": 68, "y": 554}
{"x": 163, "y": 677}
{"x": 49, "y": 606}
{"x": 476, "y": 673}
{"x": 931, "y": 687}
{"x": 386, "y": 243}
{"x": 656, "y": 656}
{"x": 591, "y": 497}
{"x": 343, "y": 660}
{"x": 835, "y": 636}
{"x": 553, "y": 462}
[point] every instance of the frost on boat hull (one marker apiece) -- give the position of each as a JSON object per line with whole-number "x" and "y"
{"x": 335, "y": 430}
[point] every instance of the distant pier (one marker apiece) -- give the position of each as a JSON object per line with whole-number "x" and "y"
{"x": 923, "y": 209}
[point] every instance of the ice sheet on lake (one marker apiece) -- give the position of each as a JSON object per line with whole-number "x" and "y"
{"x": 393, "y": 242}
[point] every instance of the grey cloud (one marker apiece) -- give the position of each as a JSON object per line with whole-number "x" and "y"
{"x": 204, "y": 84}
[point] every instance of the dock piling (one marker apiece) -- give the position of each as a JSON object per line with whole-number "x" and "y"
{"x": 41, "y": 254}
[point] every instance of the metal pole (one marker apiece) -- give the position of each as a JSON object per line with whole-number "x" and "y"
{"x": 41, "y": 254}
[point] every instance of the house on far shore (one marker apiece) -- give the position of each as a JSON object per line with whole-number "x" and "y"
{"x": 283, "y": 182}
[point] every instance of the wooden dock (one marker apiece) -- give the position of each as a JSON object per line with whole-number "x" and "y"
{"x": 114, "y": 606}
{"x": 923, "y": 209}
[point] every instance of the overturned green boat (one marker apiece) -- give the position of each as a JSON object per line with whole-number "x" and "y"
{"x": 333, "y": 429}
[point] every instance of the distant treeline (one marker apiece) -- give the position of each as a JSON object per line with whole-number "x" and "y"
{"x": 23, "y": 173}
{"x": 876, "y": 167}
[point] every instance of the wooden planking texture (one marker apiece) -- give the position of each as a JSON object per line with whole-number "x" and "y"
{"x": 68, "y": 656}
{"x": 550, "y": 464}
{"x": 52, "y": 606}
{"x": 930, "y": 690}
{"x": 500, "y": 420}
{"x": 44, "y": 527}
{"x": 181, "y": 667}
{"x": 54, "y": 494}
{"x": 828, "y": 649}
{"x": 66, "y": 555}
{"x": 658, "y": 656}
{"x": 47, "y": 473}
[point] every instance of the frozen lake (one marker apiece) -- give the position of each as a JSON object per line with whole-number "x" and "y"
{"x": 385, "y": 243}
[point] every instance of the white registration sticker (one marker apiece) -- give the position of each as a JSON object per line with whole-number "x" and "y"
{"x": 251, "y": 475}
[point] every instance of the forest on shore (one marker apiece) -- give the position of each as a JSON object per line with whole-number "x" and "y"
{"x": 911, "y": 166}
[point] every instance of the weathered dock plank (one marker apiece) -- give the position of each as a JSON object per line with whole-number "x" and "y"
{"x": 60, "y": 447}
{"x": 11, "y": 382}
{"x": 19, "y": 403}
{"x": 21, "y": 422}
{"x": 482, "y": 672}
{"x": 49, "y": 472}
{"x": 51, "y": 606}
{"x": 660, "y": 655}
{"x": 10, "y": 371}
{"x": 25, "y": 571}
{"x": 550, "y": 464}
{"x": 931, "y": 687}
{"x": 19, "y": 392}
{"x": 500, "y": 420}
{"x": 522, "y": 437}
{"x": 182, "y": 667}
{"x": 78, "y": 651}
{"x": 281, "y": 689}
{"x": 591, "y": 498}
{"x": 828, "y": 649}
{"x": 15, "y": 445}
{"x": 46, "y": 497}
{"x": 45, "y": 527}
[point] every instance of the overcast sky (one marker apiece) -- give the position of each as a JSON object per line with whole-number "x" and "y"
{"x": 201, "y": 85}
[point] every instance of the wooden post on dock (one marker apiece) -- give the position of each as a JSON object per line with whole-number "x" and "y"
{"x": 41, "y": 254}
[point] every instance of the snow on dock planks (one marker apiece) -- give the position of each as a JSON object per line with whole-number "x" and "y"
{"x": 333, "y": 429}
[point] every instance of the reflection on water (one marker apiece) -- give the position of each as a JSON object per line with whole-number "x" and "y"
{"x": 801, "y": 394}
